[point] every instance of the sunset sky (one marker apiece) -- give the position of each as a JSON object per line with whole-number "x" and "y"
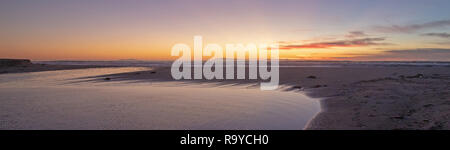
{"x": 147, "y": 29}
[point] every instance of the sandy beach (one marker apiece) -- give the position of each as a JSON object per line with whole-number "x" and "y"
{"x": 358, "y": 97}
{"x": 71, "y": 100}
{"x": 351, "y": 97}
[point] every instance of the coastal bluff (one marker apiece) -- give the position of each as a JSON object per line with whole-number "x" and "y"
{"x": 14, "y": 62}
{"x": 26, "y": 65}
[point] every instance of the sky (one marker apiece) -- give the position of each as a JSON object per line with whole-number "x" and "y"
{"x": 376, "y": 30}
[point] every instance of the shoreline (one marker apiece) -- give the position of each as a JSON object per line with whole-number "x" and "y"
{"x": 308, "y": 125}
{"x": 357, "y": 97}
{"x": 65, "y": 100}
{"x": 351, "y": 98}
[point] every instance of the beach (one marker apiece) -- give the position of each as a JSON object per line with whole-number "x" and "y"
{"x": 71, "y": 100}
{"x": 355, "y": 97}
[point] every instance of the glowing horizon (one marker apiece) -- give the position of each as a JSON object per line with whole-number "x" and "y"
{"x": 146, "y": 30}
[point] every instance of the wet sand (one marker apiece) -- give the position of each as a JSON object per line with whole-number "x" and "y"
{"x": 352, "y": 97}
{"x": 369, "y": 97}
{"x": 64, "y": 100}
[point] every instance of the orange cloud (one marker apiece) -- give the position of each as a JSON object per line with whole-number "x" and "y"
{"x": 339, "y": 43}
